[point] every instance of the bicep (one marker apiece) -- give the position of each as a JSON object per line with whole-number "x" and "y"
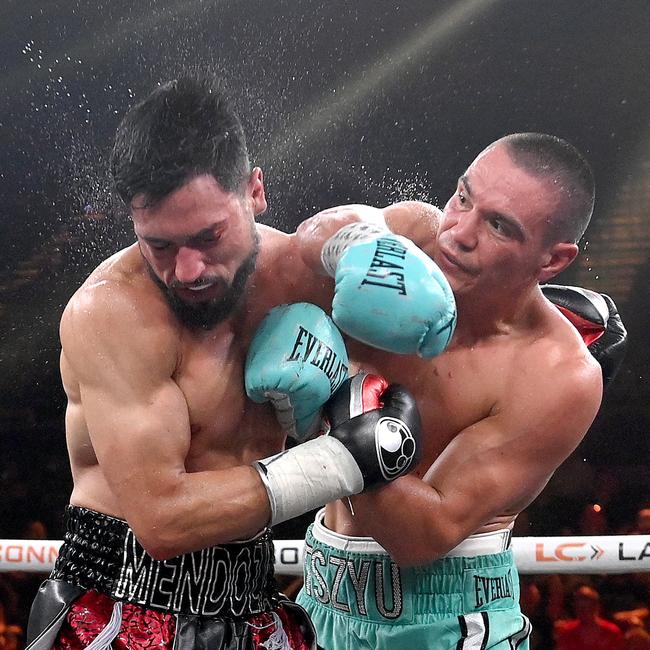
{"x": 140, "y": 435}
{"x": 490, "y": 469}
{"x": 483, "y": 474}
{"x": 476, "y": 477}
{"x": 136, "y": 415}
{"x": 499, "y": 465}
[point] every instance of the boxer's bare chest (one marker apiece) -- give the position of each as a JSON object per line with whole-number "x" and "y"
{"x": 453, "y": 391}
{"x": 226, "y": 427}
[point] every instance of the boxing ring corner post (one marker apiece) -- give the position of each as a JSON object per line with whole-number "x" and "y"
{"x": 597, "y": 554}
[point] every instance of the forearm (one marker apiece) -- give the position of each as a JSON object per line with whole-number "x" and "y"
{"x": 409, "y": 519}
{"x": 312, "y": 233}
{"x": 201, "y": 509}
{"x": 414, "y": 220}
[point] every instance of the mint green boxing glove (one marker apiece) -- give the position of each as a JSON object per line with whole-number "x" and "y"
{"x": 389, "y": 293}
{"x": 296, "y": 361}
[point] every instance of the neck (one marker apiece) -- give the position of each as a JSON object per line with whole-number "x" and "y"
{"x": 482, "y": 315}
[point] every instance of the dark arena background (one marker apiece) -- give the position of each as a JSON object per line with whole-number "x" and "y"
{"x": 343, "y": 102}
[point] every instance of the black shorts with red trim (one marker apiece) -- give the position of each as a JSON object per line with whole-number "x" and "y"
{"x": 107, "y": 591}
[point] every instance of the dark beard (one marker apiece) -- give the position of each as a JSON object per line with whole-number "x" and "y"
{"x": 205, "y": 315}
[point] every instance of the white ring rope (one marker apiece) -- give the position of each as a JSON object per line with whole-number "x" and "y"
{"x": 579, "y": 554}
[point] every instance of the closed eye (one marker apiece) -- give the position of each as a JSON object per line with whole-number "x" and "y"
{"x": 158, "y": 245}
{"x": 205, "y": 240}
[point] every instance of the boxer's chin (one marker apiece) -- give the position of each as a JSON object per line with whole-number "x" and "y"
{"x": 204, "y": 315}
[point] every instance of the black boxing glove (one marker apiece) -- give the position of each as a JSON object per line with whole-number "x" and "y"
{"x": 374, "y": 437}
{"x": 595, "y": 316}
{"x": 379, "y": 424}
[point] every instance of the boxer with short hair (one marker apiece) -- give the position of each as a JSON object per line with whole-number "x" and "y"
{"x": 425, "y": 562}
{"x": 177, "y": 475}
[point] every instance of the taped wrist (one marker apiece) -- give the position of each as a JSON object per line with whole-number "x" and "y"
{"x": 308, "y": 476}
{"x": 353, "y": 233}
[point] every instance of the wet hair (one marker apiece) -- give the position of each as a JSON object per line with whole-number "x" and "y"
{"x": 184, "y": 128}
{"x": 550, "y": 157}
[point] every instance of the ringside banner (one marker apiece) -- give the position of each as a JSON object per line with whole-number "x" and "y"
{"x": 579, "y": 554}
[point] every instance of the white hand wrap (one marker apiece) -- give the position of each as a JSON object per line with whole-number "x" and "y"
{"x": 308, "y": 476}
{"x": 353, "y": 233}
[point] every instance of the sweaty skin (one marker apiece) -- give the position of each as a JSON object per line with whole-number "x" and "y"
{"x": 515, "y": 391}
{"x": 159, "y": 429}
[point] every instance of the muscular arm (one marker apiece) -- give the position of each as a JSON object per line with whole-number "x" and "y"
{"x": 415, "y": 220}
{"x": 138, "y": 423}
{"x": 496, "y": 466}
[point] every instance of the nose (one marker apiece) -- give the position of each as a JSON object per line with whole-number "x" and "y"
{"x": 189, "y": 265}
{"x": 465, "y": 231}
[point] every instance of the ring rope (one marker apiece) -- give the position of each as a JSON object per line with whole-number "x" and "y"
{"x": 577, "y": 554}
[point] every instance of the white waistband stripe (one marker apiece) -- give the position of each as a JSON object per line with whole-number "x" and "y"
{"x": 481, "y": 544}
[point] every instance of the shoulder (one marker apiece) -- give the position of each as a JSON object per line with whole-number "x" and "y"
{"x": 117, "y": 309}
{"x": 565, "y": 348}
{"x": 283, "y": 275}
{"x": 556, "y": 383}
{"x": 111, "y": 293}
{"x": 277, "y": 251}
{"x": 554, "y": 344}
{"x": 566, "y": 626}
{"x": 610, "y": 628}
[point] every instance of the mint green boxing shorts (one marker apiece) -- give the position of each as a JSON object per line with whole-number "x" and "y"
{"x": 359, "y": 599}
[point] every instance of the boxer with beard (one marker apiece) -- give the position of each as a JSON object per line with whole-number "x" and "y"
{"x": 177, "y": 476}
{"x": 206, "y": 314}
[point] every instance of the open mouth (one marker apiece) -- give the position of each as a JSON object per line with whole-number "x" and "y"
{"x": 200, "y": 288}
{"x": 199, "y": 292}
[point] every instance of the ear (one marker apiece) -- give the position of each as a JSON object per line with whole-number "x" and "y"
{"x": 557, "y": 259}
{"x": 256, "y": 191}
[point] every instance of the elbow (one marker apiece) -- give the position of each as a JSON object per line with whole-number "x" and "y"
{"x": 422, "y": 549}
{"x": 404, "y": 559}
{"x": 308, "y": 235}
{"x": 307, "y": 228}
{"x": 160, "y": 549}
{"x": 158, "y": 535}
{"x": 410, "y": 557}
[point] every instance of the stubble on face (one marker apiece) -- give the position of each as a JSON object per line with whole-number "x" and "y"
{"x": 206, "y": 315}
